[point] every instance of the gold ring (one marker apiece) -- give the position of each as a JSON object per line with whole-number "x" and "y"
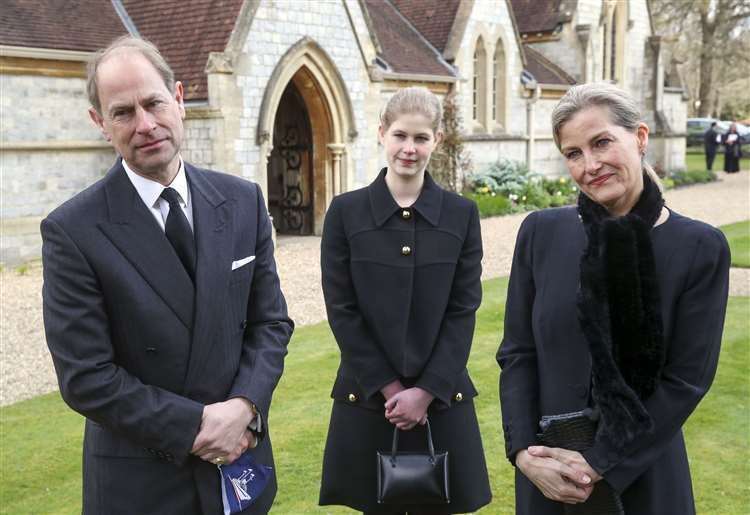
{"x": 218, "y": 461}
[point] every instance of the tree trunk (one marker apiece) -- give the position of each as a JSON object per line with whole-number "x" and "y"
{"x": 708, "y": 29}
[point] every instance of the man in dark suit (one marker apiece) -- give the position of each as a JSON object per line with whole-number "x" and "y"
{"x": 711, "y": 141}
{"x": 162, "y": 306}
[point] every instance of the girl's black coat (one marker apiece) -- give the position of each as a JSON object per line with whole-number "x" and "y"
{"x": 546, "y": 363}
{"x": 399, "y": 313}
{"x": 401, "y": 288}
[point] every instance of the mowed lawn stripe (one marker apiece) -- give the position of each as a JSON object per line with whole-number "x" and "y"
{"x": 41, "y": 437}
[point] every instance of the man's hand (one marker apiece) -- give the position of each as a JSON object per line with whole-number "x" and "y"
{"x": 556, "y": 480}
{"x": 573, "y": 459}
{"x": 223, "y": 432}
{"x": 408, "y": 408}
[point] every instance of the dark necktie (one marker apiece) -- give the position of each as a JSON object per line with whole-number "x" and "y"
{"x": 178, "y": 231}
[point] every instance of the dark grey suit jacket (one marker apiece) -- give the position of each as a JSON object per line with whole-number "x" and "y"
{"x": 139, "y": 351}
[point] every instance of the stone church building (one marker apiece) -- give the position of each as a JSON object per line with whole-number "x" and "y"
{"x": 287, "y": 93}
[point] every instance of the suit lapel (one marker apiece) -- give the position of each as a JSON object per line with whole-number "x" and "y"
{"x": 133, "y": 230}
{"x": 212, "y": 219}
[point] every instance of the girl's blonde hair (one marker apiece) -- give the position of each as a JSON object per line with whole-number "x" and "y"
{"x": 411, "y": 100}
{"x": 622, "y": 108}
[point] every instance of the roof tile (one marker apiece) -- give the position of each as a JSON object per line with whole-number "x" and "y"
{"x": 185, "y": 31}
{"x": 533, "y": 16}
{"x": 432, "y": 18}
{"x": 59, "y": 24}
{"x": 544, "y": 70}
{"x": 404, "y": 49}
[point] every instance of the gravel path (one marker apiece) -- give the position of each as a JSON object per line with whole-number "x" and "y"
{"x": 26, "y": 368}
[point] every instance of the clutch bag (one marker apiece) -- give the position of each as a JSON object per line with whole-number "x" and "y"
{"x": 576, "y": 432}
{"x": 413, "y": 478}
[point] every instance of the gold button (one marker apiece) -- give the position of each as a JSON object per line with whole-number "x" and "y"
{"x": 459, "y": 397}
{"x": 352, "y": 397}
{"x": 405, "y": 214}
{"x": 405, "y": 250}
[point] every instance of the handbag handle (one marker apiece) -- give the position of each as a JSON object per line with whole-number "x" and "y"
{"x": 430, "y": 446}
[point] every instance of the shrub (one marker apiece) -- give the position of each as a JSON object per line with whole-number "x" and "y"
{"x": 521, "y": 189}
{"x": 491, "y": 205}
{"x": 451, "y": 160}
{"x": 688, "y": 177}
{"x": 506, "y": 177}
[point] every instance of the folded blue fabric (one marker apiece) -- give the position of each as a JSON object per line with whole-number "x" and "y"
{"x": 242, "y": 482}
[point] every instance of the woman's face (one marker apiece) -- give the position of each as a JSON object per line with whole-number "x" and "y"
{"x": 604, "y": 159}
{"x": 408, "y": 143}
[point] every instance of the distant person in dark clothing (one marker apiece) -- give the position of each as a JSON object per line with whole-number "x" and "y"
{"x": 732, "y": 150}
{"x": 711, "y": 140}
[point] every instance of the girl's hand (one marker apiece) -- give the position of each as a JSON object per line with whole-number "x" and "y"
{"x": 392, "y": 389}
{"x": 408, "y": 408}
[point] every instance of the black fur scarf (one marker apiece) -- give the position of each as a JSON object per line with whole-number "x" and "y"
{"x": 620, "y": 315}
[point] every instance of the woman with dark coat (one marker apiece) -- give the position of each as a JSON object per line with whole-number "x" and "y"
{"x": 401, "y": 263}
{"x": 732, "y": 149}
{"x": 613, "y": 325}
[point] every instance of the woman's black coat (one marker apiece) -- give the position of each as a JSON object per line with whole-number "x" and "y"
{"x": 401, "y": 288}
{"x": 546, "y": 363}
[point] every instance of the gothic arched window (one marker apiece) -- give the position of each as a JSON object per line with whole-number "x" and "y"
{"x": 498, "y": 83}
{"x": 479, "y": 84}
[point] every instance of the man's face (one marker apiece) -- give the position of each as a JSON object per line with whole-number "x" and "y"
{"x": 139, "y": 116}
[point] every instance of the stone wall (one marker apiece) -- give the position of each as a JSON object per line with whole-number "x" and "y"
{"x": 50, "y": 151}
{"x": 492, "y": 22}
{"x": 198, "y": 146}
{"x": 276, "y": 27}
{"x": 504, "y": 138}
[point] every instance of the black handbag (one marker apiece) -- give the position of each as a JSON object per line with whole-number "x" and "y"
{"x": 413, "y": 478}
{"x": 576, "y": 432}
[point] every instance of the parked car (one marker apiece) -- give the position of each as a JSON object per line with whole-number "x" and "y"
{"x": 696, "y": 127}
{"x": 744, "y": 132}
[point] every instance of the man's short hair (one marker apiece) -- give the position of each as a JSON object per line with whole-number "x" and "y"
{"x": 713, "y": 124}
{"x": 132, "y": 44}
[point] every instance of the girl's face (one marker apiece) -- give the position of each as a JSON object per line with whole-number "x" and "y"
{"x": 604, "y": 159}
{"x": 409, "y": 143}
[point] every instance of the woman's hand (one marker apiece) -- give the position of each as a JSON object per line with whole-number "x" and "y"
{"x": 572, "y": 459}
{"x": 408, "y": 408}
{"x": 556, "y": 480}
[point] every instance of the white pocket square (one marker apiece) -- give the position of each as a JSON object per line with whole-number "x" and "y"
{"x": 241, "y": 262}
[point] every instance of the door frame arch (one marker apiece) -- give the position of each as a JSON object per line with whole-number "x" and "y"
{"x": 332, "y": 135}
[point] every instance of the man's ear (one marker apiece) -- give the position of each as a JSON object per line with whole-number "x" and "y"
{"x": 179, "y": 96}
{"x": 99, "y": 121}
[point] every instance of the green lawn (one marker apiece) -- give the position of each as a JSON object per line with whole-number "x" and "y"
{"x": 739, "y": 242}
{"x": 695, "y": 160}
{"x": 40, "y": 438}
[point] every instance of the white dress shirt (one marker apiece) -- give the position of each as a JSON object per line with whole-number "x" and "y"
{"x": 150, "y": 193}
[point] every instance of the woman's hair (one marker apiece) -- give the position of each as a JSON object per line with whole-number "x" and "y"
{"x": 410, "y": 101}
{"x": 622, "y": 108}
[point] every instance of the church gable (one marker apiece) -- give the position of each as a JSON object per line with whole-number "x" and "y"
{"x": 404, "y": 50}
{"x": 186, "y": 31}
